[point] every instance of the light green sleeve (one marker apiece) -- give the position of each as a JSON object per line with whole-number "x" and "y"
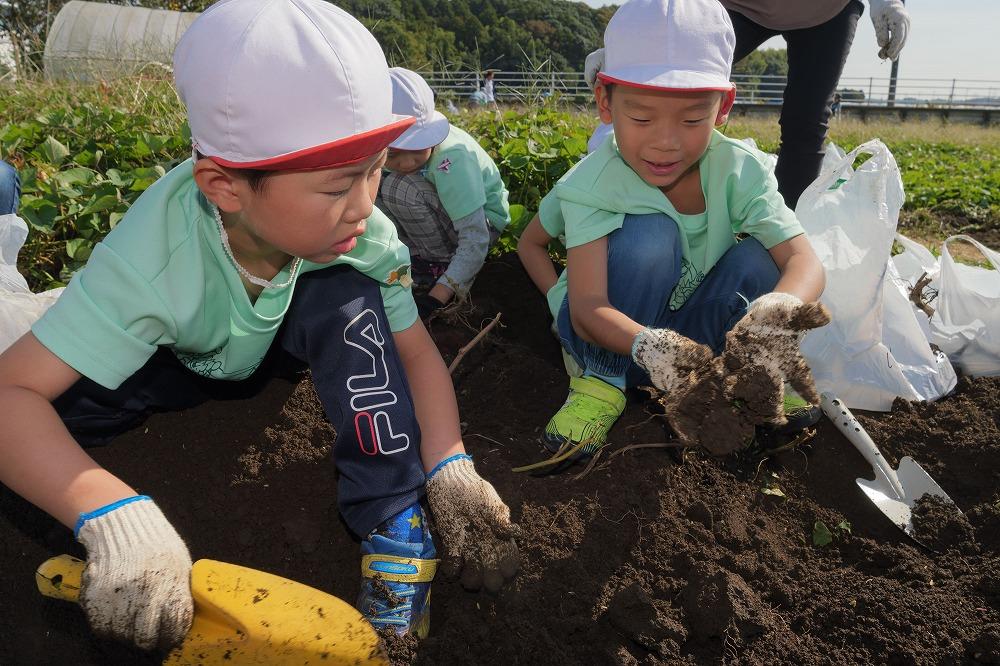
{"x": 390, "y": 265}
{"x": 760, "y": 210}
{"x": 108, "y": 322}
{"x": 400, "y": 308}
{"x": 550, "y": 215}
{"x": 458, "y": 181}
{"x": 585, "y": 223}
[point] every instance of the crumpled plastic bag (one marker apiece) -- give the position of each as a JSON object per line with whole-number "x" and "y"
{"x": 19, "y": 308}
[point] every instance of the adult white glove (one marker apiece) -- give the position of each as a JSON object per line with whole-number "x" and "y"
{"x": 137, "y": 584}
{"x": 474, "y": 524}
{"x": 592, "y": 66}
{"x": 668, "y": 357}
{"x": 892, "y": 23}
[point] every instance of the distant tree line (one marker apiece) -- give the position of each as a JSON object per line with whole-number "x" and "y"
{"x": 511, "y": 35}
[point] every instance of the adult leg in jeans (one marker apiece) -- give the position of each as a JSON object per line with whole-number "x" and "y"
{"x": 644, "y": 266}
{"x": 10, "y": 189}
{"x": 749, "y": 35}
{"x": 816, "y": 58}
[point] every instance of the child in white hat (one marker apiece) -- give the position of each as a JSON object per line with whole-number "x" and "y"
{"x": 657, "y": 275}
{"x": 265, "y": 245}
{"x": 444, "y": 193}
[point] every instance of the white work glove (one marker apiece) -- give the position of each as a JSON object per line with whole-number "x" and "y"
{"x": 892, "y": 22}
{"x": 137, "y": 584}
{"x": 592, "y": 66}
{"x": 474, "y": 524}
{"x": 762, "y": 350}
{"x": 668, "y": 357}
{"x": 696, "y": 393}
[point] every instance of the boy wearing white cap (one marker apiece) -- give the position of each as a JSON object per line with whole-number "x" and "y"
{"x": 444, "y": 193}
{"x": 268, "y": 235}
{"x": 656, "y": 275}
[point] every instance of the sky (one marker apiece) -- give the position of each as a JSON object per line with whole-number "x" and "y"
{"x": 948, "y": 39}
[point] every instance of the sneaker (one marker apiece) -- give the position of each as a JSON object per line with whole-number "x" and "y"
{"x": 590, "y": 410}
{"x": 397, "y": 567}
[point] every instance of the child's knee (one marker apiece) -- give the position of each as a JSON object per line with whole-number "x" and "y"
{"x": 761, "y": 273}
{"x": 647, "y": 246}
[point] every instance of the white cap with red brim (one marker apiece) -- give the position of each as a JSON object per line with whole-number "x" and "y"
{"x": 669, "y": 45}
{"x": 411, "y": 96}
{"x": 284, "y": 84}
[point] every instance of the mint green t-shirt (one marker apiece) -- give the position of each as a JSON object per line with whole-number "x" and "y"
{"x": 162, "y": 278}
{"x": 741, "y": 196}
{"x": 466, "y": 179}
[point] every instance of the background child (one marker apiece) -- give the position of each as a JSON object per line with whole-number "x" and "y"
{"x": 269, "y": 234}
{"x": 444, "y": 193}
{"x": 655, "y": 274}
{"x": 10, "y": 189}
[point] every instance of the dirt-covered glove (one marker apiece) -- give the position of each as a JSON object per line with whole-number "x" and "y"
{"x": 137, "y": 584}
{"x": 762, "y": 352}
{"x": 474, "y": 524}
{"x": 592, "y": 66}
{"x": 892, "y": 23}
{"x": 695, "y": 390}
{"x": 668, "y": 357}
{"x": 426, "y": 305}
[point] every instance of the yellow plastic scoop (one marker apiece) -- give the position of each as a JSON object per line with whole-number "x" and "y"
{"x": 245, "y": 616}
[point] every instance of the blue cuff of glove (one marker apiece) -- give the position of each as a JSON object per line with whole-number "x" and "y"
{"x": 84, "y": 517}
{"x": 449, "y": 459}
{"x": 635, "y": 341}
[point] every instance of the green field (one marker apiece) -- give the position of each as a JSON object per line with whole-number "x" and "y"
{"x": 86, "y": 153}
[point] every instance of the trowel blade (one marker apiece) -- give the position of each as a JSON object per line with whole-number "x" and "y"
{"x": 884, "y": 497}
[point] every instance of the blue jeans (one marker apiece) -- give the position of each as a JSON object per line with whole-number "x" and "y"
{"x": 10, "y": 189}
{"x": 644, "y": 266}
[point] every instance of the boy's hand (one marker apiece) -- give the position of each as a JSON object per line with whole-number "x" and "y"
{"x": 426, "y": 305}
{"x": 137, "y": 584}
{"x": 592, "y": 66}
{"x": 474, "y": 524}
{"x": 668, "y": 357}
{"x": 762, "y": 352}
{"x": 892, "y": 22}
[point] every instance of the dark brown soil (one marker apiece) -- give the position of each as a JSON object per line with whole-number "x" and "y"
{"x": 940, "y": 525}
{"x": 662, "y": 556}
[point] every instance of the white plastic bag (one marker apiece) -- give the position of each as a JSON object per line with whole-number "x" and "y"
{"x": 874, "y": 350}
{"x": 19, "y": 308}
{"x": 966, "y": 321}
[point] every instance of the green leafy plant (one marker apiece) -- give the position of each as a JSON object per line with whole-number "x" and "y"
{"x": 824, "y": 536}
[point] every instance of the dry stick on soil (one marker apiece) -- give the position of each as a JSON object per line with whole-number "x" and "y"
{"x": 917, "y": 295}
{"x": 472, "y": 343}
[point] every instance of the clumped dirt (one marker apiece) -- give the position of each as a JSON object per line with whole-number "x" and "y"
{"x": 940, "y": 525}
{"x": 661, "y": 556}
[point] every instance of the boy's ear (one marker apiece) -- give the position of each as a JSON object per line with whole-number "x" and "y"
{"x": 603, "y": 97}
{"x": 728, "y": 99}
{"x": 218, "y": 185}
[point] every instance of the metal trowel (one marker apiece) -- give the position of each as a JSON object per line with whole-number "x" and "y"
{"x": 245, "y": 616}
{"x": 893, "y": 491}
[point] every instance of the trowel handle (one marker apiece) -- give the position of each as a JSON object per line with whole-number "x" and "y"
{"x": 59, "y": 577}
{"x": 855, "y": 433}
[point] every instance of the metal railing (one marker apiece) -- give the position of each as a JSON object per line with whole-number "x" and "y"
{"x": 764, "y": 90}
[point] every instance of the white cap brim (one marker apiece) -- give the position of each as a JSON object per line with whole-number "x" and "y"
{"x": 651, "y": 76}
{"x": 424, "y": 135}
